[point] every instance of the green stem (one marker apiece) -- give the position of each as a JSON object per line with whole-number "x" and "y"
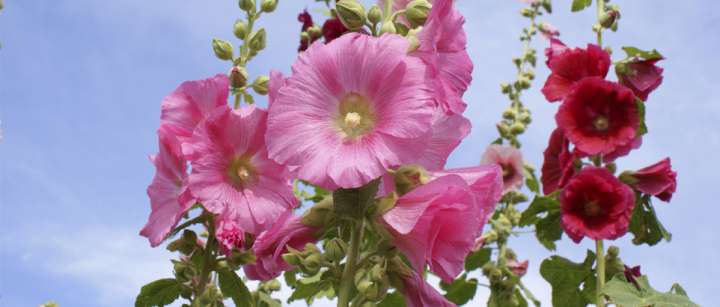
{"x": 237, "y": 101}
{"x": 209, "y": 257}
{"x": 528, "y": 294}
{"x": 600, "y": 268}
{"x": 388, "y": 9}
{"x": 600, "y": 11}
{"x": 346, "y": 283}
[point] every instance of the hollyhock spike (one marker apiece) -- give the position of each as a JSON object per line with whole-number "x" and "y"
{"x": 231, "y": 169}
{"x": 311, "y": 125}
{"x": 596, "y": 205}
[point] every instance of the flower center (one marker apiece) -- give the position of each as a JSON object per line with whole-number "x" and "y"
{"x": 592, "y": 209}
{"x": 355, "y": 116}
{"x": 601, "y": 123}
{"x": 241, "y": 172}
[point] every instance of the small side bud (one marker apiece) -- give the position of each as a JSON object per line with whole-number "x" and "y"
{"x": 417, "y": 12}
{"x": 238, "y": 77}
{"x": 268, "y": 6}
{"x": 223, "y": 49}
{"x": 257, "y": 41}
{"x": 315, "y": 32}
{"x": 408, "y": 177}
{"x": 247, "y": 5}
{"x": 374, "y": 16}
{"x": 509, "y": 113}
{"x": 388, "y": 27}
{"x": 260, "y": 85}
{"x": 240, "y": 29}
{"x": 351, "y": 14}
{"x": 517, "y": 128}
{"x": 335, "y": 249}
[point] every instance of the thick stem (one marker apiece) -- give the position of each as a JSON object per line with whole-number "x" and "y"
{"x": 600, "y": 268}
{"x": 388, "y": 10}
{"x": 346, "y": 283}
{"x": 600, "y": 11}
{"x": 209, "y": 256}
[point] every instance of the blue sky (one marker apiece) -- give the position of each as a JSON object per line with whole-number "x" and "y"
{"x": 80, "y": 87}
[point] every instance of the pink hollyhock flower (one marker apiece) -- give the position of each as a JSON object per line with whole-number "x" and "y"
{"x": 568, "y": 66}
{"x": 418, "y": 293}
{"x": 558, "y": 165}
{"x": 272, "y": 244}
{"x": 228, "y": 232}
{"x": 443, "y": 47}
{"x": 232, "y": 169}
{"x": 169, "y": 198}
{"x": 658, "y": 179}
{"x": 447, "y": 132}
{"x": 598, "y": 116}
{"x": 519, "y": 268}
{"x": 424, "y": 225}
{"x": 596, "y": 205}
{"x": 641, "y": 76}
{"x": 351, "y": 109}
{"x": 510, "y": 160}
{"x": 191, "y": 103}
{"x": 277, "y": 81}
{"x": 485, "y": 181}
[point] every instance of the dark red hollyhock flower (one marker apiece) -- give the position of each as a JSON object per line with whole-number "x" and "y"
{"x": 596, "y": 205}
{"x": 599, "y": 116}
{"x": 307, "y": 22}
{"x": 332, "y": 29}
{"x": 641, "y": 76}
{"x": 658, "y": 179}
{"x": 569, "y": 66}
{"x": 623, "y": 150}
{"x": 631, "y": 273}
{"x": 558, "y": 165}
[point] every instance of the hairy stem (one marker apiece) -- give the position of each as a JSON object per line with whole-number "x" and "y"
{"x": 209, "y": 256}
{"x": 600, "y": 268}
{"x": 346, "y": 283}
{"x": 600, "y": 11}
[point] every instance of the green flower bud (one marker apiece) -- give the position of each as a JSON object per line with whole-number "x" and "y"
{"x": 314, "y": 32}
{"x": 408, "y": 177}
{"x": 375, "y": 14}
{"x": 319, "y": 214}
{"x": 292, "y": 258}
{"x": 525, "y": 118}
{"x": 509, "y": 113}
{"x": 257, "y": 40}
{"x": 311, "y": 264}
{"x": 547, "y": 5}
{"x": 223, "y": 49}
{"x": 523, "y": 82}
{"x": 613, "y": 251}
{"x": 240, "y": 29}
{"x": 351, "y": 14}
{"x": 503, "y": 129}
{"x": 526, "y": 12}
{"x": 268, "y": 6}
{"x": 388, "y": 27}
{"x": 247, "y": 5}
{"x": 238, "y": 76}
{"x": 517, "y": 128}
{"x": 612, "y": 167}
{"x": 304, "y": 36}
{"x": 505, "y": 88}
{"x": 377, "y": 273}
{"x": 335, "y": 249}
{"x": 260, "y": 85}
{"x": 412, "y": 37}
{"x": 271, "y": 285}
{"x": 609, "y": 17}
{"x": 417, "y": 12}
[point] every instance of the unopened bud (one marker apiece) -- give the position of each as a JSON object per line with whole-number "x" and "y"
{"x": 509, "y": 113}
{"x": 238, "y": 77}
{"x": 292, "y": 258}
{"x": 505, "y": 88}
{"x": 374, "y": 15}
{"x": 304, "y": 36}
{"x": 260, "y": 85}
{"x": 314, "y": 32}
{"x": 526, "y": 12}
{"x": 247, "y": 5}
{"x": 608, "y": 18}
{"x": 377, "y": 273}
{"x": 351, "y": 14}
{"x": 223, "y": 49}
{"x": 257, "y": 41}
{"x": 240, "y": 29}
{"x": 547, "y": 5}
{"x": 311, "y": 264}
{"x": 408, "y": 177}
{"x": 388, "y": 27}
{"x": 335, "y": 249}
{"x": 268, "y": 6}
{"x": 517, "y": 128}
{"x": 613, "y": 251}
{"x": 272, "y": 285}
{"x": 417, "y": 12}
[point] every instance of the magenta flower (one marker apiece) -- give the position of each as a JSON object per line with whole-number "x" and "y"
{"x": 169, "y": 198}
{"x": 272, "y": 244}
{"x": 558, "y": 164}
{"x": 447, "y": 132}
{"x": 418, "y": 293}
{"x": 232, "y": 169}
{"x": 443, "y": 47}
{"x": 351, "y": 109}
{"x": 641, "y": 76}
{"x": 191, "y": 103}
{"x": 568, "y": 66}
{"x": 424, "y": 224}
{"x": 510, "y": 160}
{"x": 658, "y": 179}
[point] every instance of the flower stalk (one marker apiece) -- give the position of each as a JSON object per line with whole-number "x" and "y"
{"x": 600, "y": 268}
{"x": 346, "y": 282}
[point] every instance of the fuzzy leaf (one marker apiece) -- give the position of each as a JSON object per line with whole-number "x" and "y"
{"x": 160, "y": 293}
{"x": 531, "y": 180}
{"x": 625, "y": 294}
{"x": 566, "y": 277}
{"x": 232, "y": 286}
{"x": 579, "y": 5}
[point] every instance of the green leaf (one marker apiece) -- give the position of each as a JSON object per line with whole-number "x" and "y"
{"x": 644, "y": 224}
{"x": 290, "y": 278}
{"x": 624, "y": 294}
{"x": 566, "y": 277}
{"x": 232, "y": 286}
{"x": 531, "y": 180}
{"x": 579, "y": 5}
{"x": 264, "y": 300}
{"x": 539, "y": 205}
{"x": 544, "y": 213}
{"x": 461, "y": 290}
{"x": 395, "y": 299}
{"x": 352, "y": 202}
{"x": 307, "y": 290}
{"x": 548, "y": 230}
{"x": 642, "y": 129}
{"x": 161, "y": 292}
{"x": 477, "y": 259}
{"x": 639, "y": 53}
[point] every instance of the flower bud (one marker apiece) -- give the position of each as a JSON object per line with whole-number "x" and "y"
{"x": 375, "y": 14}
{"x": 517, "y": 128}
{"x": 417, "y": 12}
{"x": 547, "y": 5}
{"x": 240, "y": 29}
{"x": 408, "y": 177}
{"x": 377, "y": 273}
{"x": 238, "y": 77}
{"x": 505, "y": 88}
{"x": 304, "y": 36}
{"x": 260, "y": 85}
{"x": 268, "y": 6}
{"x": 351, "y": 14}
{"x": 335, "y": 249}
{"x": 509, "y": 113}
{"x": 610, "y": 16}
{"x": 613, "y": 251}
{"x": 257, "y": 41}
{"x": 311, "y": 264}
{"x": 247, "y": 5}
{"x": 271, "y": 285}
{"x": 292, "y": 258}
{"x": 223, "y": 49}
{"x": 315, "y": 32}
{"x": 388, "y": 27}
{"x": 526, "y": 12}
